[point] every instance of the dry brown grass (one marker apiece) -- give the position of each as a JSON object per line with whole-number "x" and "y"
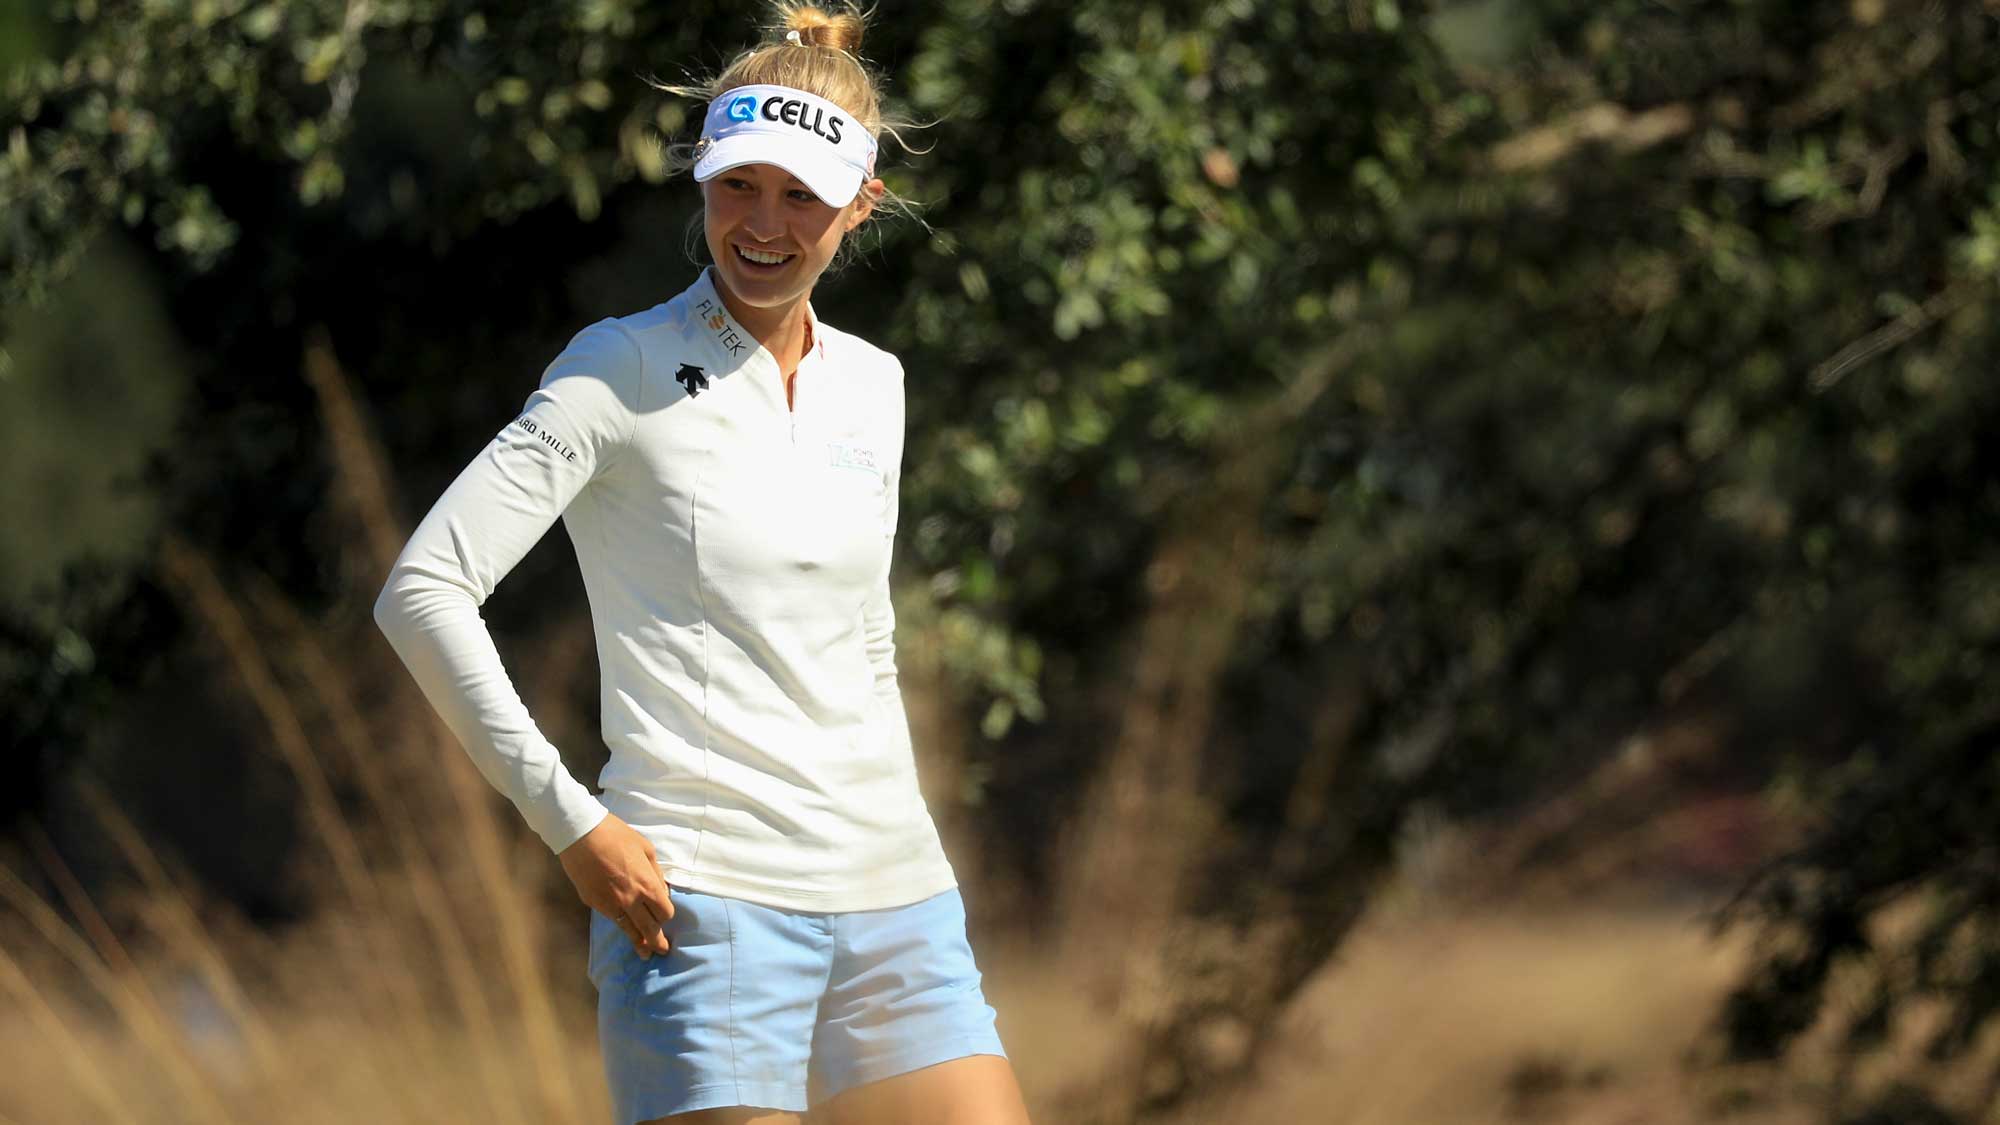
{"x": 1572, "y": 1015}
{"x": 435, "y": 984}
{"x": 423, "y": 991}
{"x": 1569, "y": 1014}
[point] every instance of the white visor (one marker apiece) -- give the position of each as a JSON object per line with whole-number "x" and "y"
{"x": 804, "y": 134}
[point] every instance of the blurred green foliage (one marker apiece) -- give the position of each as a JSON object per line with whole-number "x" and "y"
{"x": 1655, "y": 344}
{"x": 23, "y": 33}
{"x": 78, "y": 449}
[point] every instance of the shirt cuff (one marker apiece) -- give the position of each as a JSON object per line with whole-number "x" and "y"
{"x": 565, "y": 813}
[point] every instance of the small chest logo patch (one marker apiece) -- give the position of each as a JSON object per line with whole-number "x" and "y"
{"x": 851, "y": 457}
{"x": 692, "y": 378}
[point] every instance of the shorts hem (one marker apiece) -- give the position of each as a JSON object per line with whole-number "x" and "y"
{"x": 717, "y": 1095}
{"x": 896, "y": 1063}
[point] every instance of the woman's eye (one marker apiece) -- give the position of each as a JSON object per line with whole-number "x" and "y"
{"x": 801, "y": 195}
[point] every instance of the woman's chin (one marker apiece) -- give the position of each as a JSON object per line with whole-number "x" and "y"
{"x": 763, "y": 287}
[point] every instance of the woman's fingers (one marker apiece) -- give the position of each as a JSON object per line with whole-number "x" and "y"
{"x": 635, "y": 931}
{"x": 641, "y": 914}
{"x": 645, "y": 917}
{"x": 614, "y": 862}
{"x": 651, "y": 937}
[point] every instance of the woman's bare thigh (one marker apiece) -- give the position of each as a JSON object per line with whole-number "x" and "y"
{"x": 975, "y": 1090}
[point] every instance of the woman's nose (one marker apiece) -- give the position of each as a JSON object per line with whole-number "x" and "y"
{"x": 765, "y": 222}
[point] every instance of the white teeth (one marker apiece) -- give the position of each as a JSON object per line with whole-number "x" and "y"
{"x": 762, "y": 257}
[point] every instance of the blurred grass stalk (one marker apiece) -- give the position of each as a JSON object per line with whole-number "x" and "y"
{"x": 375, "y": 1038}
{"x": 421, "y": 991}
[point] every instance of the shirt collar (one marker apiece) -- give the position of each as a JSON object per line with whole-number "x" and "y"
{"x": 709, "y": 319}
{"x": 733, "y": 343}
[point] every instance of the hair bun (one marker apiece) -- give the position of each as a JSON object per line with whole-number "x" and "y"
{"x": 817, "y": 27}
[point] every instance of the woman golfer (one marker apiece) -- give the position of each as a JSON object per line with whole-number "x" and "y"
{"x": 774, "y": 923}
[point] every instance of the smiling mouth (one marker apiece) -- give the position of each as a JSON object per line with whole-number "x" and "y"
{"x": 763, "y": 259}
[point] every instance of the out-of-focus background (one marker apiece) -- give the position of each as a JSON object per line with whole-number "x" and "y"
{"x": 1450, "y": 556}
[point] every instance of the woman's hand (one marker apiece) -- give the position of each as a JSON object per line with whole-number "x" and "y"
{"x": 616, "y": 874}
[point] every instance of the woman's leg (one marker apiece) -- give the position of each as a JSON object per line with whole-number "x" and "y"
{"x": 905, "y": 1034}
{"x": 975, "y": 1090}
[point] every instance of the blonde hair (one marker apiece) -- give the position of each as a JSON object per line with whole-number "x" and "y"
{"x": 814, "y": 50}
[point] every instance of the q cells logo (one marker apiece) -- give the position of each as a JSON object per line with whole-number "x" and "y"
{"x": 743, "y": 108}
{"x": 792, "y": 111}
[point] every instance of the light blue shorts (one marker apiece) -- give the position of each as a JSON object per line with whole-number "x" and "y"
{"x": 755, "y": 1006}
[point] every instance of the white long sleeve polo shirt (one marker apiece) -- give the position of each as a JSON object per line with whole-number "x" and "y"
{"x": 736, "y": 556}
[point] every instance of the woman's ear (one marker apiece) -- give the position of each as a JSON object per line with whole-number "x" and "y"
{"x": 864, "y": 202}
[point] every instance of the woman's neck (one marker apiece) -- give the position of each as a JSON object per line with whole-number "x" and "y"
{"x": 782, "y": 329}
